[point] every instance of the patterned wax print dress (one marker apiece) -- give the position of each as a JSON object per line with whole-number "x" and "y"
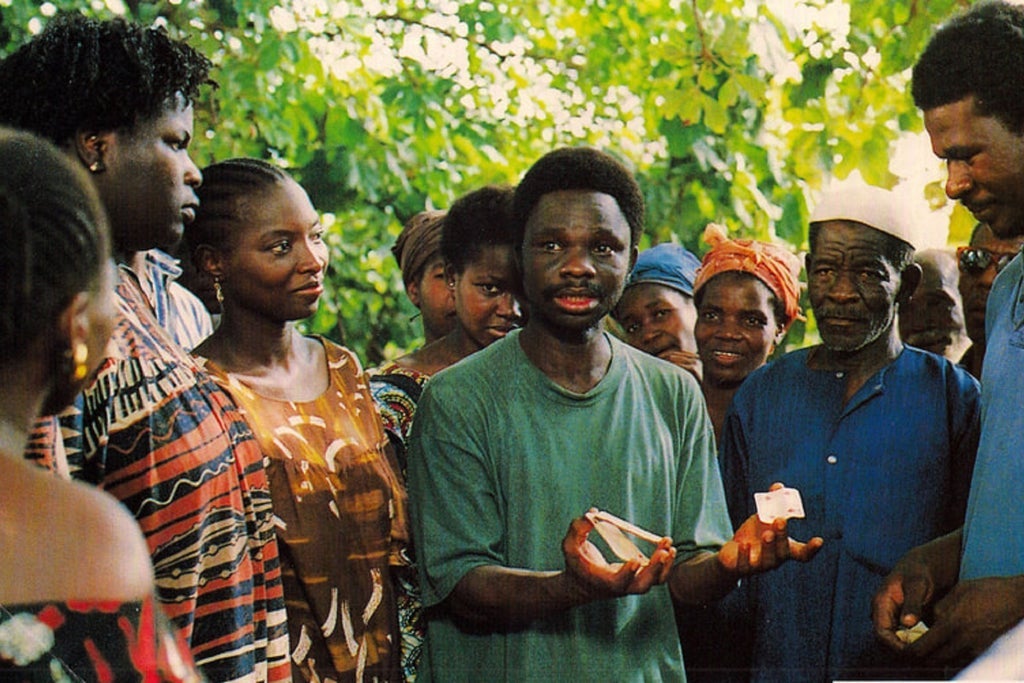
{"x": 89, "y": 640}
{"x": 340, "y": 516}
{"x": 396, "y": 391}
{"x": 156, "y": 432}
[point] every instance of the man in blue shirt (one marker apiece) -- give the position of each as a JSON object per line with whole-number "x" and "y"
{"x": 879, "y": 437}
{"x": 969, "y": 585}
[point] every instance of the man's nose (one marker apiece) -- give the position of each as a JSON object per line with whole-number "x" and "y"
{"x": 958, "y": 180}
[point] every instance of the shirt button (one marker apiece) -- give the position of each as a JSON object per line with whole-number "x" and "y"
{"x": 840, "y": 374}
{"x": 831, "y": 460}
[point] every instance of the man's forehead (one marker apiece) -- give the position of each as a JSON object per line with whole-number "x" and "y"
{"x": 963, "y": 123}
{"x": 852, "y": 237}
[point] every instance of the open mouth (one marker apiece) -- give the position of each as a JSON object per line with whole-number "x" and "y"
{"x": 576, "y": 303}
{"x": 723, "y": 357}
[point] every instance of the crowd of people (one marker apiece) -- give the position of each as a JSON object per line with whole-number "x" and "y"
{"x": 560, "y": 484}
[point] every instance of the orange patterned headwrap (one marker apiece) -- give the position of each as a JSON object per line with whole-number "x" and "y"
{"x": 778, "y": 268}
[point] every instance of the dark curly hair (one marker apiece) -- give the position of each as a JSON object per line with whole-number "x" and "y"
{"x": 55, "y": 238}
{"x": 83, "y": 74}
{"x": 579, "y": 168}
{"x": 224, "y": 183}
{"x": 980, "y": 53}
{"x": 479, "y": 219}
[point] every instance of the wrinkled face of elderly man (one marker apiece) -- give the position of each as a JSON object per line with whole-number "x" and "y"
{"x": 855, "y": 280}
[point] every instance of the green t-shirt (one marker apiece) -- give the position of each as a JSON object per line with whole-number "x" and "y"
{"x": 502, "y": 459}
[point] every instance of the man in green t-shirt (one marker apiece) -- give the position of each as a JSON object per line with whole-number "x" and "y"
{"x": 515, "y": 442}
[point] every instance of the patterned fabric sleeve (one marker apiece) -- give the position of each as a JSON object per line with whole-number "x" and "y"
{"x": 396, "y": 391}
{"x": 160, "y": 436}
{"x": 92, "y": 641}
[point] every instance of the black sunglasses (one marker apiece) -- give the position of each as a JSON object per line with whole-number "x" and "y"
{"x": 975, "y": 260}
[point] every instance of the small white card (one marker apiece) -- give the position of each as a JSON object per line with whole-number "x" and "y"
{"x": 783, "y": 503}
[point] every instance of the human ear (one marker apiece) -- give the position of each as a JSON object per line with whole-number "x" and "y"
{"x": 780, "y": 334}
{"x": 73, "y": 322}
{"x": 910, "y": 277}
{"x": 209, "y": 260}
{"x": 91, "y": 148}
{"x": 412, "y": 290}
{"x": 71, "y": 363}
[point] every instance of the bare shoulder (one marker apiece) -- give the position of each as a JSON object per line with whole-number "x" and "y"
{"x": 113, "y": 546}
{"x": 74, "y": 541}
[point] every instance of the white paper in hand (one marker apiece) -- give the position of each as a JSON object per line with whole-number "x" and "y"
{"x": 619, "y": 543}
{"x": 611, "y": 529}
{"x": 782, "y": 502}
{"x": 909, "y": 635}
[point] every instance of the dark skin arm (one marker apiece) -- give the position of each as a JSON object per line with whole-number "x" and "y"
{"x": 964, "y": 621}
{"x": 498, "y": 596}
{"x": 755, "y": 548}
{"x": 910, "y": 588}
{"x": 971, "y": 617}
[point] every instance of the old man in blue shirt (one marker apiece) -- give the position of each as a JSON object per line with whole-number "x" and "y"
{"x": 879, "y": 437}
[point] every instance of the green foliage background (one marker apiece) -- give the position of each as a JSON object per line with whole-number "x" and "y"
{"x": 733, "y": 111}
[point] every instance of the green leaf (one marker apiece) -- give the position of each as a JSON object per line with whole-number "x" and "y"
{"x": 715, "y": 115}
{"x": 815, "y": 75}
{"x": 729, "y": 93}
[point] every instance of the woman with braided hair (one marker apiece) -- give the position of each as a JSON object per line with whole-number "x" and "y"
{"x": 76, "y": 584}
{"x": 339, "y": 506}
{"x": 151, "y": 428}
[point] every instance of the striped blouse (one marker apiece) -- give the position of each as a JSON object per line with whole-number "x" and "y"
{"x": 157, "y": 433}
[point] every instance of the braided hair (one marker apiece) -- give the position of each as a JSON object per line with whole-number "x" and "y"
{"x": 222, "y": 198}
{"x": 55, "y": 236}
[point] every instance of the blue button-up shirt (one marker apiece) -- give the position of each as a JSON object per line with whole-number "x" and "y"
{"x": 884, "y": 472}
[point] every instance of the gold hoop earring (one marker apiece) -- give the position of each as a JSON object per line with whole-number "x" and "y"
{"x": 79, "y": 360}
{"x": 218, "y": 292}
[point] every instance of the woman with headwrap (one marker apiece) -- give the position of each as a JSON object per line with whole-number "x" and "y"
{"x": 477, "y": 245}
{"x": 418, "y": 252}
{"x": 747, "y": 295}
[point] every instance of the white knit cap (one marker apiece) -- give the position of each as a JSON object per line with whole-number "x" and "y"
{"x": 873, "y": 206}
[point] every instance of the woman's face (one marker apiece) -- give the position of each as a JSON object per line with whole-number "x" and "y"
{"x": 736, "y": 329}
{"x": 657, "y": 319}
{"x": 485, "y": 304}
{"x": 274, "y": 265}
{"x": 148, "y": 180}
{"x": 431, "y": 294}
